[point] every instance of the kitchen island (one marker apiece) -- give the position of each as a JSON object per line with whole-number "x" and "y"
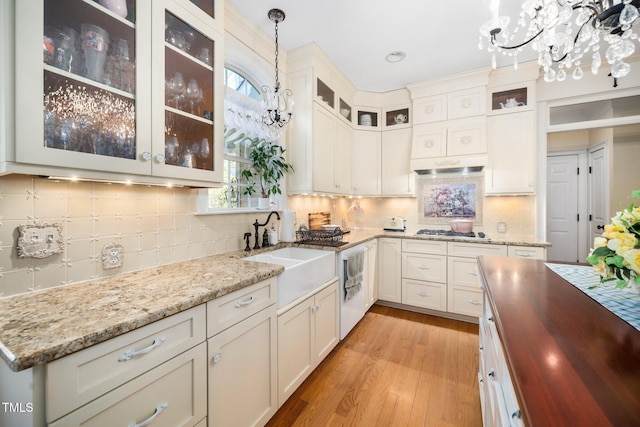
{"x": 571, "y": 361}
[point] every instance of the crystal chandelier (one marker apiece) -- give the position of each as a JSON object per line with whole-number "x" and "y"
{"x": 277, "y": 104}
{"x": 565, "y": 33}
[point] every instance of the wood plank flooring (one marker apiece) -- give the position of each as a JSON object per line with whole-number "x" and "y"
{"x": 395, "y": 368}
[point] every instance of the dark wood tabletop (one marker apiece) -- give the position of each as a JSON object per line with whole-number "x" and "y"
{"x": 572, "y": 361}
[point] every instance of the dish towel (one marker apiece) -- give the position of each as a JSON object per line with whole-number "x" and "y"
{"x": 354, "y": 274}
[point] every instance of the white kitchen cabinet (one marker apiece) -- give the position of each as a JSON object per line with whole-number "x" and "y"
{"x": 500, "y": 405}
{"x": 371, "y": 272}
{"x": 397, "y": 178}
{"x": 466, "y": 103}
{"x": 511, "y": 154}
{"x": 332, "y": 144}
{"x": 307, "y": 332}
{"x": 366, "y": 161}
{"x": 424, "y": 273}
{"x": 443, "y": 141}
{"x": 171, "y": 395}
{"x": 390, "y": 269}
{"x": 464, "y": 295}
{"x": 96, "y": 119}
{"x": 81, "y": 377}
{"x": 527, "y": 252}
{"x": 242, "y": 372}
{"x": 430, "y": 109}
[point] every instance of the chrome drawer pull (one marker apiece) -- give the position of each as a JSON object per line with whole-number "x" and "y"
{"x": 474, "y": 302}
{"x": 148, "y": 421}
{"x": 473, "y": 273}
{"x": 132, "y": 353}
{"x": 421, "y": 267}
{"x": 525, "y": 255}
{"x": 424, "y": 294}
{"x": 246, "y": 302}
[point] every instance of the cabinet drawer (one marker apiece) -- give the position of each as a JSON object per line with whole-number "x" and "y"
{"x": 430, "y": 109}
{"x": 466, "y": 138}
{"x": 424, "y": 294}
{"x": 466, "y": 103}
{"x": 526, "y": 252}
{"x": 236, "y": 306}
{"x": 174, "y": 391}
{"x": 83, "y": 376}
{"x": 463, "y": 300}
{"x": 472, "y": 250}
{"x": 429, "y": 141}
{"x": 424, "y": 246}
{"x": 462, "y": 272}
{"x": 432, "y": 268}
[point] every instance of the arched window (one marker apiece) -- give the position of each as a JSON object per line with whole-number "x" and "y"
{"x": 241, "y": 126}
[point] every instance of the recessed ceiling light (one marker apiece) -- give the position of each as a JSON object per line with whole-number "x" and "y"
{"x": 395, "y": 56}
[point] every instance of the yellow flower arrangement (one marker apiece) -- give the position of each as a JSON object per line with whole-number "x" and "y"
{"x": 616, "y": 254}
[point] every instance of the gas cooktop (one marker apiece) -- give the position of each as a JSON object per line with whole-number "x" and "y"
{"x": 449, "y": 233}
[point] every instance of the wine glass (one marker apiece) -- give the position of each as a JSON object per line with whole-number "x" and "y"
{"x": 205, "y": 151}
{"x": 176, "y": 88}
{"x": 171, "y": 148}
{"x": 194, "y": 95}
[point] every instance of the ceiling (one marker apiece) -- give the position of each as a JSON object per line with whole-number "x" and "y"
{"x": 440, "y": 38}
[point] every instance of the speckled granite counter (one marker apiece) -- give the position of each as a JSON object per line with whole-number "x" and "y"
{"x": 355, "y": 237}
{"x": 42, "y": 326}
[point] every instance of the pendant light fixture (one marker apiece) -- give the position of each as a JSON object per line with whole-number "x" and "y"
{"x": 566, "y": 34}
{"x": 277, "y": 104}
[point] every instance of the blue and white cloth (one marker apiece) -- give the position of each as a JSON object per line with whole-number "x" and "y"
{"x": 624, "y": 303}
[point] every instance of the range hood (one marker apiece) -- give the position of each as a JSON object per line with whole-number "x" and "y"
{"x": 452, "y": 164}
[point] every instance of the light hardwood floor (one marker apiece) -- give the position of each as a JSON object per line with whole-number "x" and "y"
{"x": 395, "y": 368}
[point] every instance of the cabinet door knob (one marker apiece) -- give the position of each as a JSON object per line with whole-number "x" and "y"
{"x": 160, "y": 158}
{"x": 216, "y": 358}
{"x": 146, "y": 156}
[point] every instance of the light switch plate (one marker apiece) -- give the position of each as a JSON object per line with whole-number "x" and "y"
{"x": 112, "y": 256}
{"x": 39, "y": 240}
{"x": 502, "y": 227}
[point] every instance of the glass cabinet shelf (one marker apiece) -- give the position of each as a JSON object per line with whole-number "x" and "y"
{"x": 189, "y": 95}
{"x": 89, "y": 78}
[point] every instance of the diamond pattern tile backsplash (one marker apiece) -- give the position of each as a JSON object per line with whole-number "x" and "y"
{"x": 155, "y": 225}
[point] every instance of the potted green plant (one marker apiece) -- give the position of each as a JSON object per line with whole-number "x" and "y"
{"x": 268, "y": 165}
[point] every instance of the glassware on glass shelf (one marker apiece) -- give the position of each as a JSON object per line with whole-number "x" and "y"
{"x": 119, "y": 7}
{"x": 171, "y": 150}
{"x": 48, "y": 49}
{"x": 95, "y": 43}
{"x": 205, "y": 151}
{"x": 194, "y": 96}
{"x": 204, "y": 55}
{"x": 189, "y": 159}
{"x": 119, "y": 69}
{"x": 49, "y": 128}
{"x": 63, "y": 134}
{"x": 176, "y": 38}
{"x": 176, "y": 89}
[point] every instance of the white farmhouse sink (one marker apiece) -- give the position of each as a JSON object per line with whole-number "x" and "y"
{"x": 304, "y": 270}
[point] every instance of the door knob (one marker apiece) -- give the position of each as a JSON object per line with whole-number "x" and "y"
{"x": 600, "y": 227}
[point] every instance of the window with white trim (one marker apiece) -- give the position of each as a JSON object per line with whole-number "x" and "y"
{"x": 242, "y": 125}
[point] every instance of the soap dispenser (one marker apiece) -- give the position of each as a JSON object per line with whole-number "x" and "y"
{"x": 273, "y": 236}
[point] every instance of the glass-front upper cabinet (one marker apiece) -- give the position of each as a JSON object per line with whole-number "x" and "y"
{"x": 189, "y": 77}
{"x": 81, "y": 100}
{"x": 120, "y": 86}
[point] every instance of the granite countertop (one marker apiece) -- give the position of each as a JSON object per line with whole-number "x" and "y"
{"x": 42, "y": 326}
{"x": 45, "y": 325}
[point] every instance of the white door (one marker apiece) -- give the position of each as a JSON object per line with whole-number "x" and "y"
{"x": 562, "y": 207}
{"x": 598, "y": 191}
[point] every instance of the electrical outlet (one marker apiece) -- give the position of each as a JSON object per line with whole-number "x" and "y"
{"x": 112, "y": 256}
{"x": 502, "y": 227}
